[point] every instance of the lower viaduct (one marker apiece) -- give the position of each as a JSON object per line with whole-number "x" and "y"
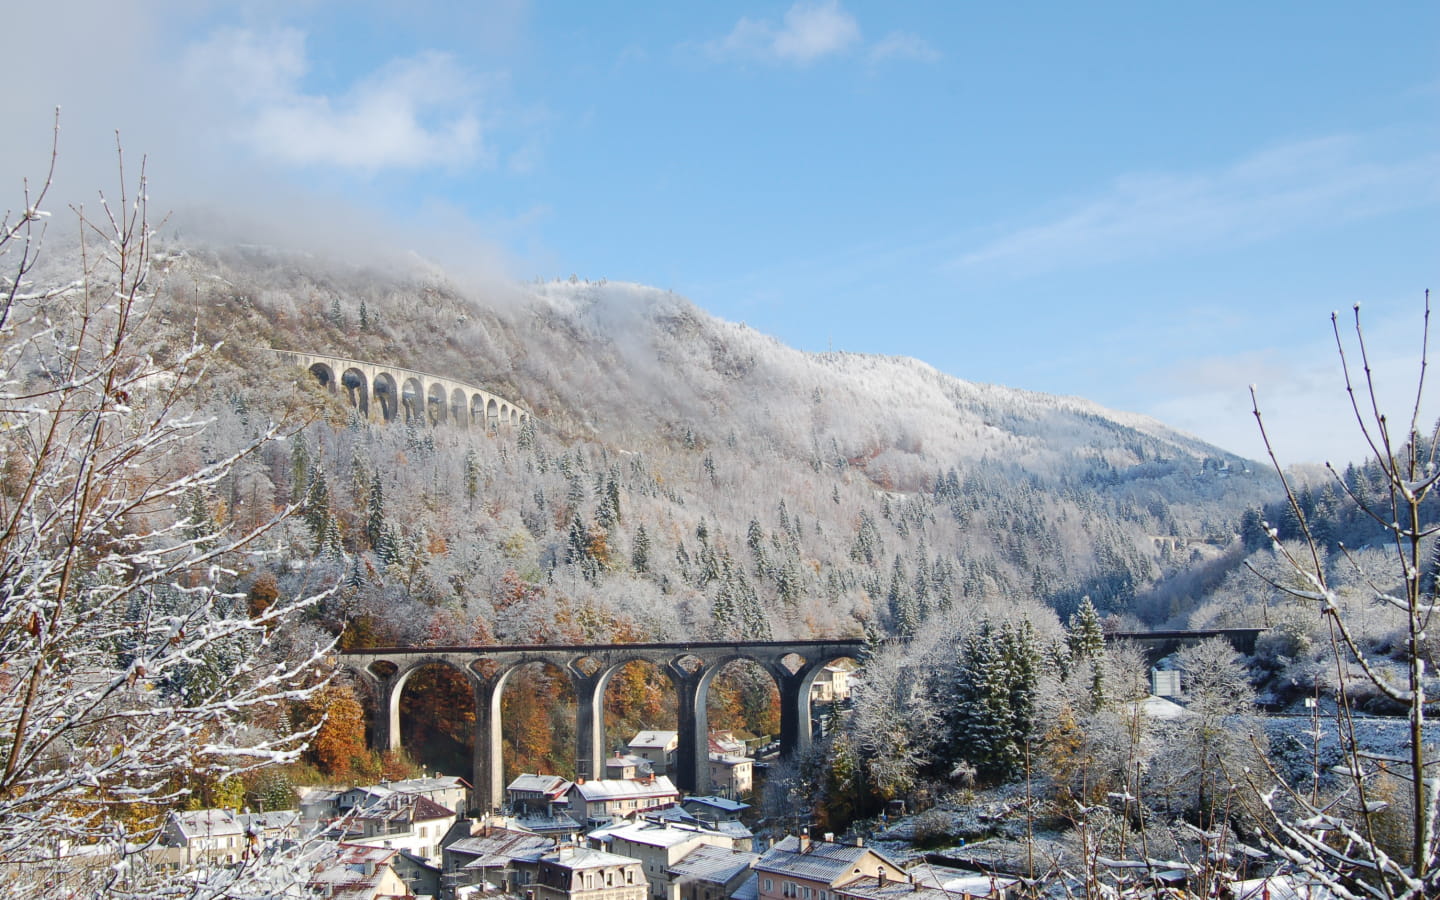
{"x": 691, "y": 668}
{"x": 380, "y": 393}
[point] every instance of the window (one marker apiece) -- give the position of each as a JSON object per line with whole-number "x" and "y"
{"x": 769, "y": 885}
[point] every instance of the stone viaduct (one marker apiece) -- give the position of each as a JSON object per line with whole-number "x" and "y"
{"x": 691, "y": 668}
{"x": 389, "y": 394}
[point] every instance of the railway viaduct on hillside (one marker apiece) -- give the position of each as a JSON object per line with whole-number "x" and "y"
{"x": 691, "y": 668}
{"x": 381, "y": 393}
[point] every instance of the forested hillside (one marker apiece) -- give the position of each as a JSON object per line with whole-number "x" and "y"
{"x": 685, "y": 476}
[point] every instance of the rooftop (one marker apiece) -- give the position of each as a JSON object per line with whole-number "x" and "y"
{"x": 625, "y": 789}
{"x": 713, "y": 864}
{"x": 822, "y": 861}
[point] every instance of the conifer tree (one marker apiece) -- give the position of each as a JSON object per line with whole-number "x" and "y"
{"x": 640, "y": 551}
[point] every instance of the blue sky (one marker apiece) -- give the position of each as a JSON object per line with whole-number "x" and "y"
{"x": 1149, "y": 205}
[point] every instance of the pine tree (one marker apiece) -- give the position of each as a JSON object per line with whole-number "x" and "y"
{"x": 902, "y": 602}
{"x": 375, "y": 512}
{"x": 983, "y": 721}
{"x": 1087, "y": 642}
{"x": 472, "y": 474}
{"x": 640, "y": 551}
{"x": 364, "y": 316}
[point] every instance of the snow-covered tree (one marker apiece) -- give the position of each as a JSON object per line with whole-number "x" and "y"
{"x": 1334, "y": 838}
{"x": 132, "y": 666}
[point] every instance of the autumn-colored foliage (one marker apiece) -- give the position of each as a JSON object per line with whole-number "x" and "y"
{"x": 340, "y": 743}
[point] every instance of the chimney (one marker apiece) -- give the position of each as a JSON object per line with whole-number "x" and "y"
{"x": 804, "y": 842}
{"x": 880, "y": 876}
{"x": 859, "y": 842}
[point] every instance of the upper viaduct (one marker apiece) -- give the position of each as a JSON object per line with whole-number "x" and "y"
{"x": 691, "y": 668}
{"x": 382, "y": 393}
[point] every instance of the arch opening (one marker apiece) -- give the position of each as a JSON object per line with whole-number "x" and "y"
{"x": 830, "y": 686}
{"x": 638, "y": 697}
{"x": 477, "y": 410}
{"x": 742, "y": 708}
{"x": 325, "y": 375}
{"x": 412, "y": 400}
{"x": 537, "y": 722}
{"x": 437, "y": 718}
{"x": 387, "y": 394}
{"x": 457, "y": 408}
{"x": 356, "y": 390}
{"x": 492, "y": 414}
{"x": 435, "y": 404}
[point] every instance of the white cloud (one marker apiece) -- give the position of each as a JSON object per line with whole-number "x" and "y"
{"x": 1268, "y": 193}
{"x": 410, "y": 113}
{"x": 809, "y": 32}
{"x": 901, "y": 45}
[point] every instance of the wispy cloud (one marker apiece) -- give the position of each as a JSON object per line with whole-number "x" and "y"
{"x": 412, "y": 112}
{"x": 1269, "y": 193}
{"x": 902, "y": 45}
{"x": 808, "y": 32}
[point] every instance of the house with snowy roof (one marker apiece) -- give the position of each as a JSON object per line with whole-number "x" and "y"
{"x": 628, "y": 765}
{"x": 656, "y": 747}
{"x": 658, "y": 846}
{"x": 542, "y": 795}
{"x": 580, "y": 873}
{"x": 606, "y": 800}
{"x": 222, "y": 835}
{"x": 353, "y": 872}
{"x": 495, "y": 859}
{"x": 710, "y": 873}
{"x": 401, "y": 822}
{"x": 798, "y": 868}
{"x": 930, "y": 882}
{"x": 714, "y": 809}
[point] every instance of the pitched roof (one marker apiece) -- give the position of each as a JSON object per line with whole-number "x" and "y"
{"x": 340, "y": 869}
{"x": 573, "y": 858}
{"x": 822, "y": 861}
{"x": 552, "y": 785}
{"x": 500, "y": 848}
{"x": 713, "y": 864}
{"x": 659, "y": 739}
{"x": 404, "y": 808}
{"x": 625, "y": 789}
{"x": 648, "y": 834}
{"x": 196, "y": 823}
{"x": 723, "y": 804}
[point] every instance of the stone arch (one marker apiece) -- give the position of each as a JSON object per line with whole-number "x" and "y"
{"x": 542, "y": 687}
{"x": 436, "y": 404}
{"x": 357, "y": 390}
{"x": 514, "y": 416}
{"x": 412, "y": 399}
{"x": 324, "y": 374}
{"x": 504, "y": 414}
{"x": 394, "y": 697}
{"x": 477, "y": 409}
{"x": 492, "y": 414}
{"x": 387, "y": 395}
{"x": 457, "y": 408}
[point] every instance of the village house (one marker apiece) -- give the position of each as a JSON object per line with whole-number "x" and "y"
{"x": 731, "y": 776}
{"x": 574, "y": 873}
{"x": 831, "y": 684}
{"x": 714, "y": 809}
{"x": 494, "y": 860}
{"x": 741, "y": 837}
{"x": 710, "y": 873}
{"x": 401, "y": 822}
{"x": 352, "y": 872}
{"x": 537, "y": 794}
{"x": 222, "y": 835}
{"x": 657, "y": 846}
{"x": 595, "y": 803}
{"x": 798, "y": 868}
{"x": 930, "y": 883}
{"x": 656, "y": 747}
{"x": 449, "y": 791}
{"x": 628, "y": 765}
